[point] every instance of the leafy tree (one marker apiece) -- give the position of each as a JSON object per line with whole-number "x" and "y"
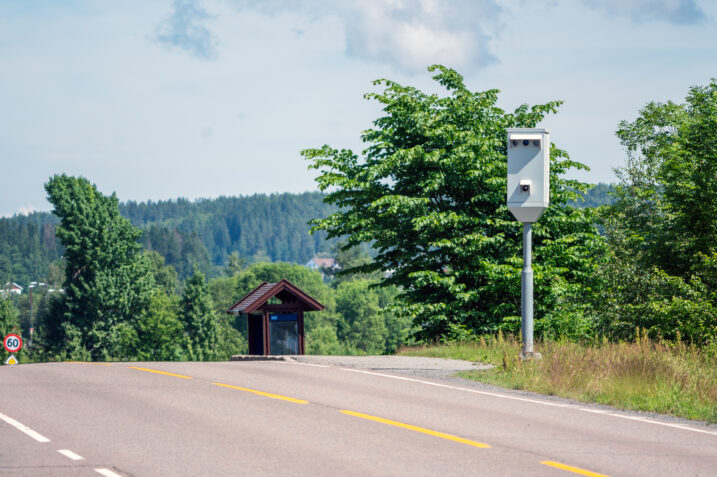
{"x": 165, "y": 276}
{"x": 107, "y": 282}
{"x": 235, "y": 264}
{"x": 201, "y": 328}
{"x": 8, "y": 322}
{"x": 662, "y": 229}
{"x": 429, "y": 196}
{"x": 362, "y": 326}
{"x": 348, "y": 258}
{"x": 160, "y": 329}
{"x": 600, "y": 194}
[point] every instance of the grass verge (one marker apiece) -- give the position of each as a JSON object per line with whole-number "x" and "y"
{"x": 667, "y": 378}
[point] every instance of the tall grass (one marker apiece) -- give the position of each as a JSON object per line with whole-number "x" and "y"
{"x": 664, "y": 377}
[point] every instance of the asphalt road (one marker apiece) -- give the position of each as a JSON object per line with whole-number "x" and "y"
{"x": 310, "y": 419}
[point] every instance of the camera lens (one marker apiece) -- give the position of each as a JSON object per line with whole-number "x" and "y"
{"x": 514, "y": 142}
{"x": 536, "y": 142}
{"x": 526, "y": 188}
{"x": 525, "y": 142}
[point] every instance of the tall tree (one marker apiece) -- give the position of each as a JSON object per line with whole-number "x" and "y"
{"x": 8, "y": 322}
{"x": 662, "y": 228}
{"x": 107, "y": 281}
{"x": 429, "y": 195}
{"x": 362, "y": 325}
{"x": 201, "y": 327}
{"x": 160, "y": 329}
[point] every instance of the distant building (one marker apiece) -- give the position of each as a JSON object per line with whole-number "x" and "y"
{"x": 11, "y": 287}
{"x": 317, "y": 263}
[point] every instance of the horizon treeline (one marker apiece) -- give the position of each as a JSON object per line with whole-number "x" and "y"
{"x": 188, "y": 234}
{"x": 202, "y": 233}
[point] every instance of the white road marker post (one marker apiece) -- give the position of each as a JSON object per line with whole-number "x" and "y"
{"x": 528, "y": 196}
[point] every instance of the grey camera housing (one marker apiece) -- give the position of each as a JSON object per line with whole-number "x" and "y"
{"x": 528, "y": 173}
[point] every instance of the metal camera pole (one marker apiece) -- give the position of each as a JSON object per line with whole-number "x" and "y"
{"x": 528, "y": 194}
{"x": 526, "y": 292}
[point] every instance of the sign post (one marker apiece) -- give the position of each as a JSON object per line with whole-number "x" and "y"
{"x": 12, "y": 343}
{"x": 528, "y": 197}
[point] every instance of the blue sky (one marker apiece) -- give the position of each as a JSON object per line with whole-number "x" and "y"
{"x": 162, "y": 99}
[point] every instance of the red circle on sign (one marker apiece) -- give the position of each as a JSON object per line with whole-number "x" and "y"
{"x": 12, "y": 343}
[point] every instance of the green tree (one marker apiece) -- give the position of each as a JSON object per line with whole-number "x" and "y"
{"x": 361, "y": 325}
{"x": 201, "y": 327}
{"x": 429, "y": 196}
{"x": 662, "y": 228}
{"x": 165, "y": 276}
{"x": 8, "y": 323}
{"x": 235, "y": 264}
{"x": 159, "y": 329}
{"x": 107, "y": 282}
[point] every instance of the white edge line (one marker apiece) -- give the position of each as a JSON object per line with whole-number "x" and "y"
{"x": 70, "y": 455}
{"x": 536, "y": 401}
{"x": 644, "y": 419}
{"x": 22, "y": 427}
{"x": 305, "y": 364}
{"x": 107, "y": 472}
{"x": 475, "y": 391}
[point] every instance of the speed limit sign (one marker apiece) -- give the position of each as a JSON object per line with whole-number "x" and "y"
{"x": 12, "y": 343}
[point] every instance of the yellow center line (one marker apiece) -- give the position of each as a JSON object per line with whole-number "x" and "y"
{"x": 88, "y": 362}
{"x": 262, "y": 393}
{"x": 574, "y": 470}
{"x": 160, "y": 372}
{"x": 416, "y": 429}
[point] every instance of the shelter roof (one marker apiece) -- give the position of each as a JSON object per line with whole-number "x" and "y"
{"x": 284, "y": 290}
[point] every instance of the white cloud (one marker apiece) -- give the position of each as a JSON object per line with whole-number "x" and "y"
{"x": 185, "y": 30}
{"x": 413, "y": 34}
{"x": 680, "y": 12}
{"x": 25, "y": 210}
{"x": 409, "y": 34}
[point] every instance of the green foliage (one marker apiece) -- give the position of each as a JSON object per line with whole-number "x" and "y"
{"x": 160, "y": 329}
{"x": 165, "y": 276}
{"x": 235, "y": 264}
{"x": 206, "y": 232}
{"x": 202, "y": 233}
{"x": 201, "y": 327}
{"x": 107, "y": 281}
{"x": 362, "y": 325}
{"x": 662, "y": 229}
{"x": 429, "y": 196}
{"x": 8, "y": 323}
{"x": 599, "y": 194}
{"x": 27, "y": 247}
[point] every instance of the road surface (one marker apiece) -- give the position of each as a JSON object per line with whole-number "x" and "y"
{"x": 279, "y": 418}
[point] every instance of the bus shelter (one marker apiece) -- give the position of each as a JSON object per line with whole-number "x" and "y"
{"x": 275, "y": 317}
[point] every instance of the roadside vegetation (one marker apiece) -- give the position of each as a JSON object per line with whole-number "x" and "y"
{"x": 667, "y": 377}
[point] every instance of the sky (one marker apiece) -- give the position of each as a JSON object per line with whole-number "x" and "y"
{"x": 161, "y": 99}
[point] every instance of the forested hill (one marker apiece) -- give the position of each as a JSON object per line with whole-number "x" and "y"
{"x": 600, "y": 194}
{"x": 204, "y": 232}
{"x": 187, "y": 233}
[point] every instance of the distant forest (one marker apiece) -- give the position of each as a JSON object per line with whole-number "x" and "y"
{"x": 202, "y": 233}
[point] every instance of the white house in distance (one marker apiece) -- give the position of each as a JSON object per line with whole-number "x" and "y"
{"x": 317, "y": 263}
{"x": 11, "y": 287}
